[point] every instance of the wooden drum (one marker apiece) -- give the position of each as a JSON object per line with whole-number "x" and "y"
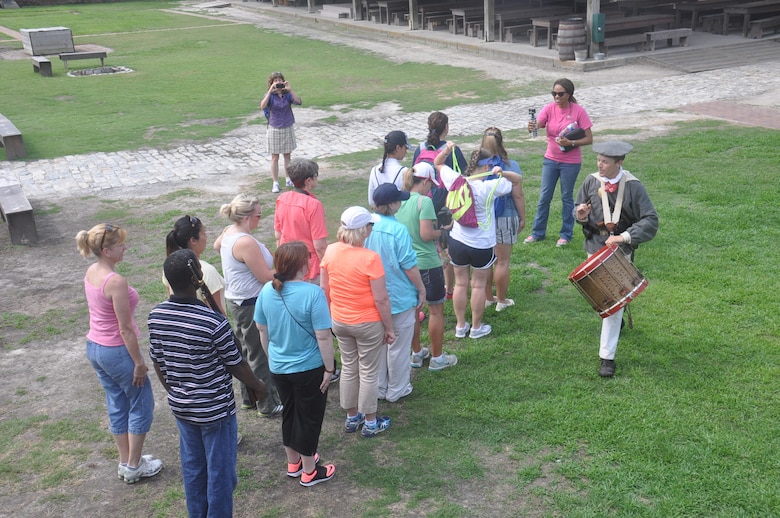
{"x": 608, "y": 280}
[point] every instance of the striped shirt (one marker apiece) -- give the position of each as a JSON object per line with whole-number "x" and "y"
{"x": 192, "y": 345}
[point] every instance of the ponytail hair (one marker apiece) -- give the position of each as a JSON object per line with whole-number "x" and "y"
{"x": 186, "y": 228}
{"x": 437, "y": 123}
{"x": 289, "y": 259}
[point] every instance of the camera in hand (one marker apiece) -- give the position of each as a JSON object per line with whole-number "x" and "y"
{"x": 279, "y": 85}
{"x": 444, "y": 216}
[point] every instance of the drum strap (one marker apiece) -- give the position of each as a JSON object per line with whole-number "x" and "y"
{"x": 611, "y": 218}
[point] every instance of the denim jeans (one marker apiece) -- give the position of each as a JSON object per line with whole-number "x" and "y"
{"x": 208, "y": 465}
{"x": 130, "y": 408}
{"x": 551, "y": 172}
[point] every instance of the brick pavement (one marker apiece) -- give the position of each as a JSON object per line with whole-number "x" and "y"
{"x": 240, "y": 158}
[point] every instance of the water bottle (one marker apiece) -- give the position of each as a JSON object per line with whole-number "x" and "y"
{"x": 571, "y": 127}
{"x": 532, "y": 114}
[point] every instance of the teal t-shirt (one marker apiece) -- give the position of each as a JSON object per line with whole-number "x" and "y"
{"x": 410, "y": 217}
{"x": 292, "y": 343}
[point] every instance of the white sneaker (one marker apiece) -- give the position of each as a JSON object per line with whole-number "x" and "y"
{"x": 489, "y": 303}
{"x": 288, "y": 182}
{"x": 446, "y": 360}
{"x": 146, "y": 468}
{"x": 460, "y": 332}
{"x": 417, "y": 358}
{"x": 120, "y": 472}
{"x": 503, "y": 304}
{"x": 275, "y": 187}
{"x": 479, "y": 332}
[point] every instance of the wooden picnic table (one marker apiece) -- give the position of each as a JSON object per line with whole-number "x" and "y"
{"x": 430, "y": 9}
{"x": 526, "y": 15}
{"x": 747, "y": 10}
{"x": 699, "y": 8}
{"x": 464, "y": 13}
{"x": 550, "y": 24}
{"x": 390, "y": 6}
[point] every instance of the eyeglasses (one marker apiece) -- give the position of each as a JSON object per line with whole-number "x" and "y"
{"x": 108, "y": 228}
{"x": 558, "y": 94}
{"x": 194, "y": 222}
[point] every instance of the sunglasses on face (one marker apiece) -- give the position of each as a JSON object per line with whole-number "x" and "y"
{"x": 108, "y": 228}
{"x": 558, "y": 94}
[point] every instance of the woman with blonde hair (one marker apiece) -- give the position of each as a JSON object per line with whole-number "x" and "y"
{"x": 471, "y": 248}
{"x": 417, "y": 214}
{"x": 247, "y": 265}
{"x": 113, "y": 350}
{"x": 353, "y": 279}
{"x": 510, "y": 221}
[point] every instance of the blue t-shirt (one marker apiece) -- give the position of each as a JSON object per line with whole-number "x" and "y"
{"x": 392, "y": 241}
{"x": 292, "y": 346}
{"x": 505, "y": 205}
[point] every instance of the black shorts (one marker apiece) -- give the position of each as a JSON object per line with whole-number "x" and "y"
{"x": 464, "y": 255}
{"x": 433, "y": 280}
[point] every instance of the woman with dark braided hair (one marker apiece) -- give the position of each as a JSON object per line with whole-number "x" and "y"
{"x": 294, "y": 322}
{"x": 390, "y": 170}
{"x": 189, "y": 232}
{"x": 438, "y": 129}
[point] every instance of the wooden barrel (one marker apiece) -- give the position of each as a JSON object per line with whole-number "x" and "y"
{"x": 571, "y": 37}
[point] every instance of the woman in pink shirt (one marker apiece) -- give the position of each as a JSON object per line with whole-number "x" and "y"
{"x": 113, "y": 350}
{"x": 562, "y": 159}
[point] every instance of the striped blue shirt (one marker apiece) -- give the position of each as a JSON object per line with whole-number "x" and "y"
{"x": 192, "y": 345}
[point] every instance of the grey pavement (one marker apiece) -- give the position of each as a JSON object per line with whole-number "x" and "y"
{"x": 240, "y": 157}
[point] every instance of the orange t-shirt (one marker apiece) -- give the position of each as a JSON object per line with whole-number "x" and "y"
{"x": 350, "y": 272}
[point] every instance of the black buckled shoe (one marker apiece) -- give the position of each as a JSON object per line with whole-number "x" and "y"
{"x": 607, "y": 369}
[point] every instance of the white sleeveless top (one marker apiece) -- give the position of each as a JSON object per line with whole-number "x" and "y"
{"x": 240, "y": 282}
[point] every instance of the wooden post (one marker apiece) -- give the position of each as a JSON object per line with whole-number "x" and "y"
{"x": 593, "y": 7}
{"x": 490, "y": 20}
{"x": 414, "y": 20}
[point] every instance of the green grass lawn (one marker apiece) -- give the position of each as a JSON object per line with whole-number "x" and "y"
{"x": 688, "y": 426}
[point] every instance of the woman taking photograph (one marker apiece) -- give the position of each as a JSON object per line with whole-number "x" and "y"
{"x": 113, "y": 351}
{"x": 247, "y": 265}
{"x": 353, "y": 280}
{"x": 280, "y": 137}
{"x": 294, "y": 323}
{"x": 471, "y": 248}
{"x": 563, "y": 158}
{"x": 189, "y": 232}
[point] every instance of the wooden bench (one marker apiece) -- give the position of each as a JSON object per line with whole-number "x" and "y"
{"x": 11, "y": 139}
{"x": 669, "y": 35}
{"x": 637, "y": 39}
{"x": 712, "y": 23}
{"x": 17, "y": 213}
{"x": 67, "y": 56}
{"x": 757, "y": 27}
{"x": 513, "y": 33}
{"x": 42, "y": 65}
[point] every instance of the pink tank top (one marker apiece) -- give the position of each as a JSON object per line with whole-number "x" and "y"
{"x": 103, "y": 324}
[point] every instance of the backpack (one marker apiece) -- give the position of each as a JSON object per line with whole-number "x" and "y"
{"x": 461, "y": 202}
{"x": 437, "y": 194}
